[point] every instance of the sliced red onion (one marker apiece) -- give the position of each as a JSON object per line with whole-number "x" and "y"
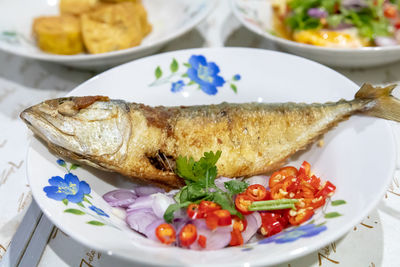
{"x": 120, "y": 197}
{"x": 150, "y": 230}
{"x": 217, "y": 239}
{"x": 178, "y": 224}
{"x": 259, "y": 179}
{"x": 220, "y": 183}
{"x": 160, "y": 204}
{"x": 385, "y": 41}
{"x": 253, "y": 223}
{"x": 140, "y": 219}
{"x": 148, "y": 190}
{"x": 317, "y": 13}
{"x": 141, "y": 203}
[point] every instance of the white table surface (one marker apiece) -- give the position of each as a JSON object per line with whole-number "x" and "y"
{"x": 373, "y": 242}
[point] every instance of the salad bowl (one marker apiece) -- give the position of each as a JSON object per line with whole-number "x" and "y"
{"x": 257, "y": 16}
{"x": 16, "y": 30}
{"x": 86, "y": 217}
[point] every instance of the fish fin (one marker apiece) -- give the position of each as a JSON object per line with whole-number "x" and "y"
{"x": 384, "y": 105}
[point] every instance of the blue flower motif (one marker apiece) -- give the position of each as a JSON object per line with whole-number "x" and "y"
{"x": 295, "y": 233}
{"x": 237, "y": 77}
{"x": 98, "y": 211}
{"x": 69, "y": 188}
{"x": 205, "y": 74}
{"x": 61, "y": 162}
{"x": 177, "y": 86}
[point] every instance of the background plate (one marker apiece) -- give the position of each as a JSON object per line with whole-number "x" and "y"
{"x": 170, "y": 19}
{"x": 256, "y": 15}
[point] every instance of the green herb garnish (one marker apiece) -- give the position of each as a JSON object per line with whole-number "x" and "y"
{"x": 200, "y": 178}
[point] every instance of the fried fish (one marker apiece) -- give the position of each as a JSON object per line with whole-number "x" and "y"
{"x": 142, "y": 142}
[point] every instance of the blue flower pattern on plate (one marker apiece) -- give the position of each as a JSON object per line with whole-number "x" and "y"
{"x": 98, "y": 211}
{"x": 199, "y": 71}
{"x": 237, "y": 77}
{"x": 69, "y": 188}
{"x": 61, "y": 162}
{"x": 291, "y": 235}
{"x": 177, "y": 86}
{"x": 205, "y": 74}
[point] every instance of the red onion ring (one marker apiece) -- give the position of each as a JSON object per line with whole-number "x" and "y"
{"x": 120, "y": 197}
{"x": 219, "y": 238}
{"x": 141, "y": 203}
{"x": 150, "y": 230}
{"x": 140, "y": 219}
{"x": 253, "y": 223}
{"x": 147, "y": 190}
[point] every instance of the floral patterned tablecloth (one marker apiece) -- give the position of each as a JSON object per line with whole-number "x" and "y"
{"x": 373, "y": 242}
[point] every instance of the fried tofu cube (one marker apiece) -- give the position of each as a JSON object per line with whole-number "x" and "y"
{"x": 111, "y": 27}
{"x": 77, "y": 7}
{"x": 141, "y": 12}
{"x": 58, "y": 34}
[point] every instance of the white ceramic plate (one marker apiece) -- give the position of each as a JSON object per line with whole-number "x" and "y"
{"x": 170, "y": 19}
{"x": 256, "y": 15}
{"x": 351, "y": 158}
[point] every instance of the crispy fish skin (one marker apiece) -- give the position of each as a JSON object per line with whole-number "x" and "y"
{"x": 143, "y": 142}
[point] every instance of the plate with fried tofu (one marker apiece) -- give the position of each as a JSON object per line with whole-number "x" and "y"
{"x": 95, "y": 34}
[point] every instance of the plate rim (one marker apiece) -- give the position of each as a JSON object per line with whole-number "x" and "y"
{"x": 293, "y": 254}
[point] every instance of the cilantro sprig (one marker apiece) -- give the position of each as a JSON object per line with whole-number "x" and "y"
{"x": 200, "y": 178}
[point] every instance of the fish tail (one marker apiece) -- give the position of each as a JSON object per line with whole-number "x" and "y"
{"x": 381, "y": 103}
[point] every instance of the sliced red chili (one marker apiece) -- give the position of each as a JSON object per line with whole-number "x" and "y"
{"x": 280, "y": 190}
{"x": 224, "y": 217}
{"x": 315, "y": 182}
{"x": 206, "y": 206}
{"x": 301, "y": 216}
{"x": 240, "y": 224}
{"x": 305, "y": 168}
{"x": 202, "y": 240}
{"x": 284, "y": 217}
{"x": 281, "y": 174}
{"x": 211, "y": 220}
{"x": 166, "y": 233}
{"x": 326, "y": 191}
{"x": 271, "y": 223}
{"x": 188, "y": 235}
{"x": 193, "y": 211}
{"x": 256, "y": 192}
{"x": 236, "y": 238}
{"x": 304, "y": 191}
{"x": 242, "y": 203}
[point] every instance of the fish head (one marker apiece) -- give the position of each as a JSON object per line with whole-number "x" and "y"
{"x": 81, "y": 127}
